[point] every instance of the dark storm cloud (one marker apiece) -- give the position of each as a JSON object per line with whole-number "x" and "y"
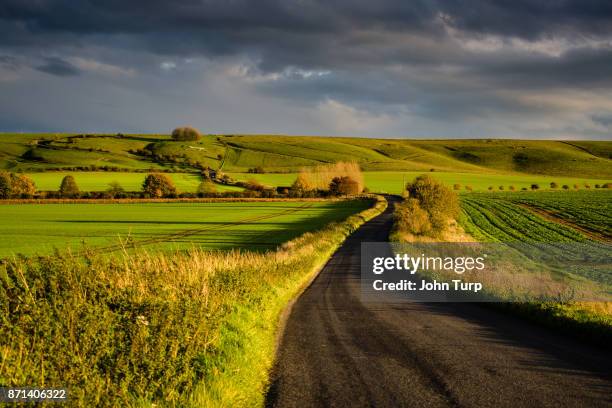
{"x": 435, "y": 60}
{"x": 59, "y": 67}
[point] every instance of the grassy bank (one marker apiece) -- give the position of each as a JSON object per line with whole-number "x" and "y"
{"x": 184, "y": 329}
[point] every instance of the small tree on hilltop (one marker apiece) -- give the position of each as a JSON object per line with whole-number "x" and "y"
{"x": 186, "y": 133}
{"x": 158, "y": 185}
{"x": 69, "y": 187}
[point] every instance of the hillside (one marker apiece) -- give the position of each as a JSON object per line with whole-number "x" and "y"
{"x": 238, "y": 153}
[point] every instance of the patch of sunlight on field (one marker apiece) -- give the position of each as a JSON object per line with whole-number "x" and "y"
{"x": 393, "y": 182}
{"x": 99, "y": 181}
{"x": 39, "y": 228}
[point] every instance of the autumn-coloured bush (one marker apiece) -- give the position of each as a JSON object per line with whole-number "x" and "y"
{"x": 158, "y": 185}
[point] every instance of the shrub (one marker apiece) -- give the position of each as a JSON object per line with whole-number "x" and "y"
{"x": 254, "y": 185}
{"x": 206, "y": 187}
{"x": 553, "y": 185}
{"x": 186, "y": 133}
{"x": 587, "y": 185}
{"x": 22, "y": 186}
{"x": 321, "y": 176}
{"x": 535, "y": 187}
{"x": 158, "y": 185}
{"x": 256, "y": 170}
{"x": 511, "y": 188}
{"x": 457, "y": 186}
{"x": 607, "y": 185}
{"x": 565, "y": 187}
{"x": 301, "y": 185}
{"x": 576, "y": 186}
{"x": 411, "y": 218}
{"x": 69, "y": 188}
{"x": 344, "y": 186}
{"x": 5, "y": 185}
{"x": 597, "y": 186}
{"x": 501, "y": 188}
{"x": 440, "y": 202}
{"x": 115, "y": 189}
{"x": 490, "y": 188}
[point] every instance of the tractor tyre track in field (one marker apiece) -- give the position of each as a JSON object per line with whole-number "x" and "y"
{"x": 337, "y": 351}
{"x": 195, "y": 231}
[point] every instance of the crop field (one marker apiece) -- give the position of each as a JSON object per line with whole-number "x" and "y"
{"x": 39, "y": 228}
{"x": 502, "y": 217}
{"x": 99, "y": 181}
{"x": 394, "y": 181}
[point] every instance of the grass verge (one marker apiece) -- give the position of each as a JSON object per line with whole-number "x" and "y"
{"x": 182, "y": 329}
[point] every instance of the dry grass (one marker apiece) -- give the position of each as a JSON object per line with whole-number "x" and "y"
{"x": 319, "y": 177}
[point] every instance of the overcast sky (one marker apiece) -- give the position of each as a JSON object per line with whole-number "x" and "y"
{"x": 418, "y": 68}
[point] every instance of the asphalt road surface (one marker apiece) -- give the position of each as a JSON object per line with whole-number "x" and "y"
{"x": 338, "y": 351}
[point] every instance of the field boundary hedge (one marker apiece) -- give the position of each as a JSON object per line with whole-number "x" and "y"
{"x": 173, "y": 200}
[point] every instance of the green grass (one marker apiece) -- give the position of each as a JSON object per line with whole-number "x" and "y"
{"x": 39, "y": 228}
{"x": 99, "y": 181}
{"x": 238, "y": 153}
{"x": 178, "y": 329}
{"x": 392, "y": 181}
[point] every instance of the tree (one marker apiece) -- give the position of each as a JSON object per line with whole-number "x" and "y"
{"x": 511, "y": 188}
{"x": 440, "y": 202}
{"x": 186, "y": 133}
{"x": 343, "y": 186}
{"x": 5, "y": 185}
{"x": 501, "y": 188}
{"x": 535, "y": 187}
{"x": 69, "y": 187}
{"x": 553, "y": 185}
{"x": 115, "y": 189}
{"x": 490, "y": 188}
{"x": 301, "y": 185}
{"x": 576, "y": 186}
{"x": 206, "y": 187}
{"x": 158, "y": 185}
{"x": 565, "y": 187}
{"x": 22, "y": 186}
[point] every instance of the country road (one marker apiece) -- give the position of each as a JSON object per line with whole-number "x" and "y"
{"x": 337, "y": 351}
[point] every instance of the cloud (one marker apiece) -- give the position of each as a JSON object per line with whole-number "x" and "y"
{"x": 390, "y": 67}
{"x": 58, "y": 67}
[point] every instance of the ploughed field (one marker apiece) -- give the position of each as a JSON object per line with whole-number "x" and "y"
{"x": 40, "y": 228}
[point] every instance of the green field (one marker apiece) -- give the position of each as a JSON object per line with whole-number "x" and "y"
{"x": 238, "y": 153}
{"x": 502, "y": 217}
{"x": 393, "y": 181}
{"x": 39, "y": 228}
{"x": 99, "y": 181}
